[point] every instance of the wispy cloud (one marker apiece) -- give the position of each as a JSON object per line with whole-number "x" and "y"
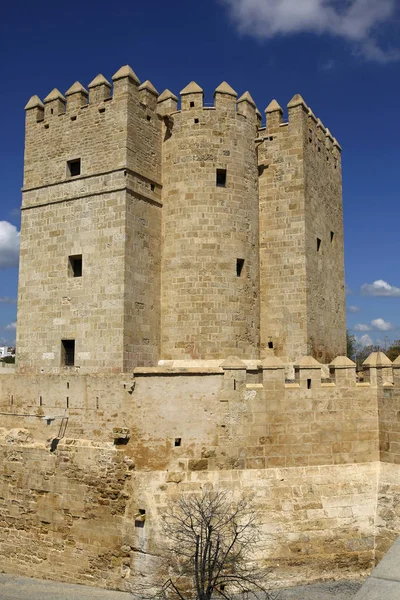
{"x": 353, "y": 20}
{"x": 353, "y": 309}
{"x": 362, "y": 327}
{"x": 11, "y": 326}
{"x": 9, "y": 245}
{"x": 7, "y": 300}
{"x": 379, "y": 288}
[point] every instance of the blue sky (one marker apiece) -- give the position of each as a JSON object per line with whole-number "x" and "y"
{"x": 343, "y": 56}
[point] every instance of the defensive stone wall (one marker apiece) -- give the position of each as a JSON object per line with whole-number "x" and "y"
{"x": 84, "y": 456}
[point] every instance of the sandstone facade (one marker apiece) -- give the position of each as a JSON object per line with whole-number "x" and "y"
{"x": 181, "y": 271}
{"x": 198, "y": 233}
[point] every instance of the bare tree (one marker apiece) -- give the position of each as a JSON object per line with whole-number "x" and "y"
{"x": 212, "y": 541}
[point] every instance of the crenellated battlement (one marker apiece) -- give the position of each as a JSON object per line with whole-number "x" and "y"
{"x": 77, "y": 98}
{"x": 100, "y": 90}
{"x": 301, "y": 119}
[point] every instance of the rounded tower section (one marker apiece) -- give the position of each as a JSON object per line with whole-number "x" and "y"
{"x": 210, "y": 262}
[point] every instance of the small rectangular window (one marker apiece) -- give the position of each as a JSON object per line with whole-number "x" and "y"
{"x": 178, "y": 442}
{"x": 68, "y": 353}
{"x": 239, "y": 266}
{"x": 221, "y": 177}
{"x": 191, "y": 104}
{"x": 318, "y": 244}
{"x": 196, "y": 120}
{"x": 75, "y": 265}
{"x": 74, "y": 167}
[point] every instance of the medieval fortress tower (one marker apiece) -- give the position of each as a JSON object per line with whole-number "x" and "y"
{"x": 181, "y": 323}
{"x": 151, "y": 233}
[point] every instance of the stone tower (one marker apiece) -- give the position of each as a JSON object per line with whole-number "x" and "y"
{"x": 90, "y": 234}
{"x": 210, "y": 284}
{"x": 302, "y": 295}
{"x": 154, "y": 233}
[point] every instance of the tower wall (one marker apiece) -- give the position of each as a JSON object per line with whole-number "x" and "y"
{"x": 210, "y": 249}
{"x": 108, "y": 214}
{"x": 326, "y": 307}
{"x": 301, "y": 237}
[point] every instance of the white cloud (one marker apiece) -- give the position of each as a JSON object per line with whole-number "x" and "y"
{"x": 9, "y": 245}
{"x": 381, "y": 325}
{"x": 375, "y": 325}
{"x": 11, "y": 327}
{"x": 379, "y": 288}
{"x": 353, "y": 20}
{"x": 362, "y": 327}
{"x": 365, "y": 340}
{"x": 353, "y": 309}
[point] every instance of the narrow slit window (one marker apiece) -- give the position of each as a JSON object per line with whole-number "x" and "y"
{"x": 221, "y": 178}
{"x": 332, "y": 236}
{"x": 68, "y": 352}
{"x": 74, "y": 167}
{"x": 309, "y": 384}
{"x": 75, "y": 265}
{"x": 318, "y": 244}
{"x": 239, "y": 266}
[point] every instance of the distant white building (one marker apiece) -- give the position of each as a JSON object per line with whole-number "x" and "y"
{"x": 4, "y": 351}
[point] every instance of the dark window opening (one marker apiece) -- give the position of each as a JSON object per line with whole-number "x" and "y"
{"x": 67, "y": 402}
{"x": 148, "y": 117}
{"x": 222, "y": 587}
{"x": 140, "y": 518}
{"x": 310, "y": 140}
{"x": 318, "y": 244}
{"x": 68, "y": 353}
{"x": 73, "y": 118}
{"x": 11, "y": 400}
{"x": 309, "y": 384}
{"x": 221, "y": 177}
{"x": 52, "y": 111}
{"x": 102, "y": 110}
{"x": 178, "y": 442}
{"x": 67, "y": 385}
{"x": 121, "y": 441}
{"x": 46, "y": 126}
{"x": 196, "y": 120}
{"x": 75, "y": 265}
{"x": 152, "y": 187}
{"x": 40, "y": 401}
{"x": 97, "y": 403}
{"x": 191, "y": 104}
{"x": 239, "y": 266}
{"x": 270, "y": 344}
{"x": 332, "y": 236}
{"x": 74, "y": 167}
{"x": 319, "y": 149}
